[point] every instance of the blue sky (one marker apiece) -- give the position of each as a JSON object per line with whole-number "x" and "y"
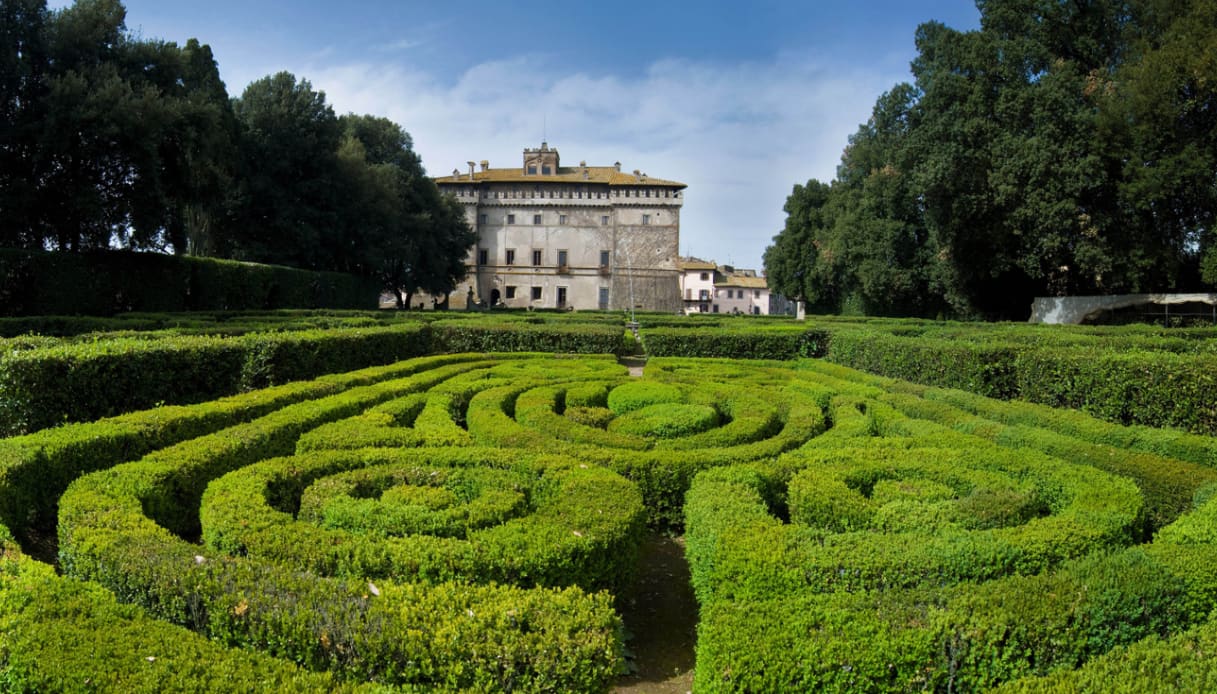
{"x": 738, "y": 100}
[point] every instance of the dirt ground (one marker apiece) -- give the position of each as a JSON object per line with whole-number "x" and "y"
{"x": 661, "y": 621}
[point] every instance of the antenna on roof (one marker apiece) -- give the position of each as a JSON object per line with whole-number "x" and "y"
{"x": 544, "y": 127}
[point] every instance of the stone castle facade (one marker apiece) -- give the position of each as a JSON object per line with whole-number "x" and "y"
{"x": 569, "y": 237}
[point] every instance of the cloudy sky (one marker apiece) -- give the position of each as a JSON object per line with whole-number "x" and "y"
{"x": 738, "y": 100}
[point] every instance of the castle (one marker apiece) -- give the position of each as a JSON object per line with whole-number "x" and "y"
{"x": 569, "y": 237}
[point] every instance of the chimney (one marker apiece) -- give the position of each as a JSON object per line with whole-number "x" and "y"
{"x": 617, "y": 166}
{"x": 485, "y": 165}
{"x": 456, "y": 173}
{"x": 637, "y": 175}
{"x": 471, "y": 165}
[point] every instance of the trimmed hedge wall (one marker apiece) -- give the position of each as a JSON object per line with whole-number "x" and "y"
{"x": 81, "y": 381}
{"x": 85, "y": 381}
{"x": 102, "y": 283}
{"x": 568, "y": 525}
{"x": 866, "y": 560}
{"x": 442, "y": 523}
{"x": 117, "y": 527}
{"x": 755, "y": 343}
{"x": 36, "y": 468}
{"x": 1142, "y": 377}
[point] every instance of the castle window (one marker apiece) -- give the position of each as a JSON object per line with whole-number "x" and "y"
{"x": 511, "y": 256}
{"x": 604, "y": 220}
{"x": 561, "y": 219}
{"x": 510, "y": 292}
{"x": 511, "y": 219}
{"x": 646, "y": 219}
{"x": 483, "y": 256}
{"x": 604, "y": 258}
{"x": 532, "y": 170}
{"x": 536, "y": 293}
{"x": 536, "y": 256}
{"x": 562, "y": 258}
{"x": 481, "y": 219}
{"x": 536, "y": 219}
{"x": 545, "y": 170}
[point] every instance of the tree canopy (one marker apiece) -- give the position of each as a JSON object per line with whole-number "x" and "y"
{"x": 111, "y": 140}
{"x": 1065, "y": 147}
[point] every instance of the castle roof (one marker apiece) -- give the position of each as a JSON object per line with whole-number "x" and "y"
{"x": 565, "y": 174}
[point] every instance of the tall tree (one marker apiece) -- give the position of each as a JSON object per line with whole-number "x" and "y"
{"x": 23, "y": 85}
{"x": 283, "y": 204}
{"x": 1067, "y": 146}
{"x": 416, "y": 239}
{"x": 100, "y": 129}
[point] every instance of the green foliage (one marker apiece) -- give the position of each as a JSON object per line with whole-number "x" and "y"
{"x": 567, "y": 525}
{"x": 112, "y": 139}
{"x": 747, "y": 342}
{"x": 102, "y": 283}
{"x": 666, "y": 420}
{"x": 41, "y": 388}
{"x": 637, "y": 395}
{"x": 855, "y": 545}
{"x": 1058, "y": 149}
{"x": 113, "y": 530}
{"x": 442, "y": 523}
{"x": 86, "y": 639}
{"x": 463, "y": 335}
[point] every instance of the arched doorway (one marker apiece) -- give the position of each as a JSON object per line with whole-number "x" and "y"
{"x": 494, "y": 297}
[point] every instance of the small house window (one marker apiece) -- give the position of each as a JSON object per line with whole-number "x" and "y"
{"x": 705, "y": 277}
{"x": 532, "y": 170}
{"x": 511, "y": 256}
{"x": 604, "y": 258}
{"x": 536, "y": 257}
{"x": 562, "y": 258}
{"x": 536, "y": 293}
{"x": 511, "y": 292}
{"x": 483, "y": 256}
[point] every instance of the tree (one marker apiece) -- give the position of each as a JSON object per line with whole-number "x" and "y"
{"x": 1064, "y": 147}
{"x": 794, "y": 264}
{"x": 417, "y": 237}
{"x": 284, "y": 203}
{"x": 102, "y": 132}
{"x": 23, "y": 84}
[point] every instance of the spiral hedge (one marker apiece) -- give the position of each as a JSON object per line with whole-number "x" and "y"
{"x": 471, "y": 522}
{"x": 922, "y": 546}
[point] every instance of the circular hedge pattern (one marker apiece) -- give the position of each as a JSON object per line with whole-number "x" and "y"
{"x": 471, "y": 522}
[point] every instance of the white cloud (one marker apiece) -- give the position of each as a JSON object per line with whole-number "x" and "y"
{"x": 399, "y": 45}
{"x": 740, "y": 135}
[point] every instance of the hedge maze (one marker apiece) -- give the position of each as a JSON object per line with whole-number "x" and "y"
{"x": 472, "y": 522}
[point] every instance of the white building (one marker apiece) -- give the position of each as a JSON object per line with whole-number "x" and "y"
{"x": 581, "y": 237}
{"x": 710, "y": 288}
